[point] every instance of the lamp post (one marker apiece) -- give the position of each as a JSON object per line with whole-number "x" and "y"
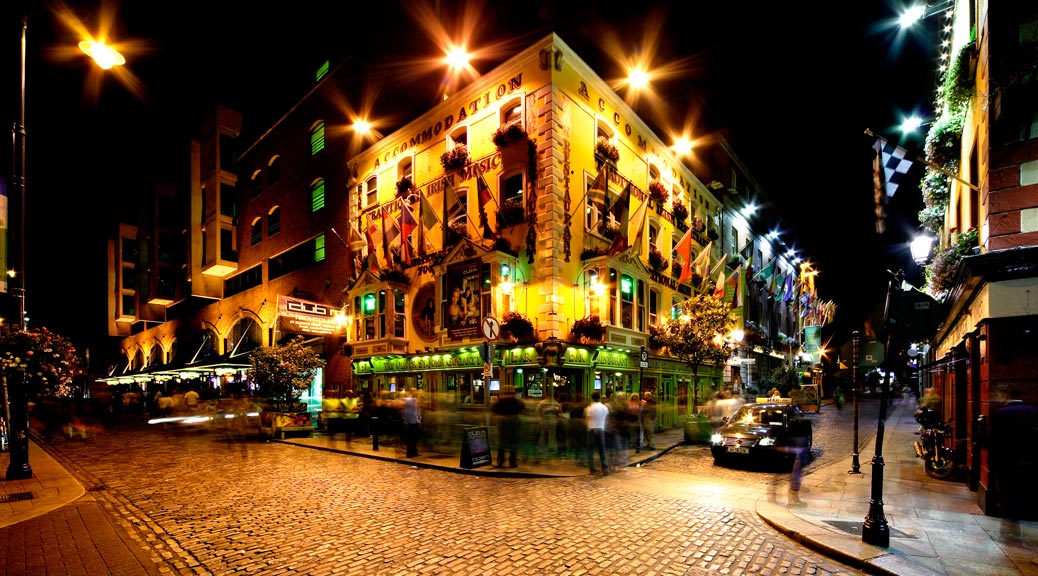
{"x": 16, "y": 394}
{"x": 855, "y": 464}
{"x": 875, "y": 530}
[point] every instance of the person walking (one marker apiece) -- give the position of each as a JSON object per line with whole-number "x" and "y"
{"x": 576, "y": 428}
{"x": 507, "y": 409}
{"x": 648, "y": 418}
{"x": 595, "y": 415}
{"x": 412, "y": 417}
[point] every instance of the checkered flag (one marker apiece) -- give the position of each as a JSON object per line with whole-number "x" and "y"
{"x": 895, "y": 165}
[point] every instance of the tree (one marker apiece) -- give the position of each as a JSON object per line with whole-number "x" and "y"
{"x": 36, "y": 363}
{"x": 48, "y": 360}
{"x": 283, "y": 371}
{"x": 700, "y": 334}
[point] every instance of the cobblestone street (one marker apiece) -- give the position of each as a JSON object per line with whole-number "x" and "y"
{"x": 210, "y": 502}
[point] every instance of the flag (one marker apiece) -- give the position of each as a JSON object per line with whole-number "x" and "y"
{"x": 407, "y": 226}
{"x": 895, "y": 165}
{"x": 429, "y": 223}
{"x": 721, "y": 287}
{"x": 636, "y": 226}
{"x": 454, "y": 211}
{"x": 485, "y": 198}
{"x": 596, "y": 201}
{"x": 889, "y": 169}
{"x": 374, "y": 237}
{"x": 684, "y": 249}
{"x": 766, "y": 273}
{"x": 787, "y": 293}
{"x": 737, "y": 284}
{"x": 701, "y": 265}
{"x": 390, "y": 231}
{"x": 716, "y": 269}
{"x": 618, "y": 213}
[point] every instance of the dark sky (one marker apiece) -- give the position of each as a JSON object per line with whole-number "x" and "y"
{"x": 792, "y": 87}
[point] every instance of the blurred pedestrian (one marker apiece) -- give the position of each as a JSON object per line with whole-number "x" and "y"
{"x": 507, "y": 409}
{"x": 634, "y": 421}
{"x": 577, "y": 428}
{"x": 618, "y": 431}
{"x": 648, "y": 418}
{"x": 548, "y": 409}
{"x": 412, "y": 417}
{"x": 595, "y": 415}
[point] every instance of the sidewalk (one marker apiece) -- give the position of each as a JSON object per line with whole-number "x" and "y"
{"x": 935, "y": 526}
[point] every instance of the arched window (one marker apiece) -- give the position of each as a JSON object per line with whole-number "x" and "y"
{"x": 256, "y": 232}
{"x": 317, "y": 137}
{"x": 370, "y": 191}
{"x": 512, "y": 112}
{"x": 256, "y": 184}
{"x": 458, "y": 136}
{"x": 274, "y": 221}
{"x": 317, "y": 195}
{"x": 245, "y": 335}
{"x": 274, "y": 171}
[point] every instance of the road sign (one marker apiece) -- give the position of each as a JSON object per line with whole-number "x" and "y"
{"x": 486, "y": 351}
{"x": 645, "y": 358}
{"x": 486, "y": 371}
{"x": 491, "y": 328}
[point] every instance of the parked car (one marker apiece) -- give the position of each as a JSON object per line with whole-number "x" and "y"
{"x": 763, "y": 431}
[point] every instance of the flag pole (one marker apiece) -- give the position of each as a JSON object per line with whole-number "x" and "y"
{"x": 931, "y": 164}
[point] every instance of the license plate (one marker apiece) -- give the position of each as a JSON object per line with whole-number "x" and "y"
{"x": 738, "y": 450}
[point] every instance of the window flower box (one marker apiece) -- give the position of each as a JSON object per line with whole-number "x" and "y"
{"x": 606, "y": 150}
{"x": 657, "y": 192}
{"x": 455, "y": 159}
{"x": 508, "y": 134}
{"x": 589, "y": 329}
{"x": 657, "y": 262}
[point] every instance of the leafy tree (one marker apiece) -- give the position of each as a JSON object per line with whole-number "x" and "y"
{"x": 283, "y": 371}
{"x": 48, "y": 360}
{"x": 699, "y": 334}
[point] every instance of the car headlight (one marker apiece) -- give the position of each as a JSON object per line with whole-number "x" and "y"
{"x": 767, "y": 442}
{"x": 716, "y": 439}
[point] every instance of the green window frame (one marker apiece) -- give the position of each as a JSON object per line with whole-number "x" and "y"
{"x": 317, "y": 195}
{"x": 317, "y": 137}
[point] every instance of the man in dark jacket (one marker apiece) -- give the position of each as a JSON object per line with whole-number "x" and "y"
{"x": 508, "y": 408}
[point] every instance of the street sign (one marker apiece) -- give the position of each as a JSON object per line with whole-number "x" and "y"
{"x": 491, "y": 328}
{"x": 645, "y": 358}
{"x": 486, "y": 371}
{"x": 486, "y": 351}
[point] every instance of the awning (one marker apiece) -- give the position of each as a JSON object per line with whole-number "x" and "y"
{"x": 211, "y": 366}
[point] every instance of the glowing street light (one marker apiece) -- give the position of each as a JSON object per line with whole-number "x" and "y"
{"x": 104, "y": 55}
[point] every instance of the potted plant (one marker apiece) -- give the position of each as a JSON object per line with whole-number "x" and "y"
{"x": 698, "y": 226}
{"x": 517, "y": 326}
{"x": 657, "y": 192}
{"x": 281, "y": 373}
{"x": 589, "y": 329}
{"x": 456, "y": 158}
{"x": 508, "y": 134}
{"x": 606, "y": 150}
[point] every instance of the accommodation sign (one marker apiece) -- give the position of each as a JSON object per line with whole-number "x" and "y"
{"x": 305, "y": 317}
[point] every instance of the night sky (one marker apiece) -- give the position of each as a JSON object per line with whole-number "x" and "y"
{"x": 791, "y": 86}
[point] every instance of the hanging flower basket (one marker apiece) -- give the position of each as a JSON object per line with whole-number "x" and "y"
{"x": 698, "y": 226}
{"x": 518, "y": 326}
{"x": 657, "y": 192}
{"x": 404, "y": 187}
{"x": 509, "y": 134}
{"x": 657, "y": 262}
{"x": 455, "y": 159}
{"x": 589, "y": 328}
{"x": 606, "y": 150}
{"x": 679, "y": 210}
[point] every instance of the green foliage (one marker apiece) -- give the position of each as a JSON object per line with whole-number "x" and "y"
{"x": 699, "y": 334}
{"x": 590, "y": 328}
{"x": 282, "y": 372}
{"x": 941, "y": 273}
{"x": 932, "y": 219}
{"x": 49, "y": 361}
{"x": 518, "y": 325}
{"x": 936, "y": 188}
{"x": 786, "y": 378}
{"x": 958, "y": 83}
{"x": 944, "y": 141}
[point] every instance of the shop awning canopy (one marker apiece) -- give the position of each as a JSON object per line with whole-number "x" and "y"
{"x": 210, "y": 366}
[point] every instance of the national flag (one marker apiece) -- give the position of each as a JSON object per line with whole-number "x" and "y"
{"x": 767, "y": 273}
{"x": 429, "y": 223}
{"x": 357, "y": 245}
{"x": 390, "y": 232}
{"x": 636, "y": 226}
{"x": 407, "y": 226}
{"x": 596, "y": 201}
{"x": 701, "y": 265}
{"x": 684, "y": 250}
{"x": 717, "y": 269}
{"x": 618, "y": 213}
{"x": 485, "y": 198}
{"x": 787, "y": 293}
{"x": 736, "y": 282}
{"x": 374, "y": 237}
{"x": 455, "y": 213}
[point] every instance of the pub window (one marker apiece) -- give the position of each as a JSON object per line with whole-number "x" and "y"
{"x": 512, "y": 192}
{"x": 654, "y": 307}
{"x": 317, "y": 137}
{"x": 627, "y": 288}
{"x": 614, "y": 294}
{"x": 641, "y": 305}
{"x": 383, "y": 311}
{"x": 460, "y": 136}
{"x": 319, "y": 248}
{"x": 367, "y": 307}
{"x": 512, "y": 112}
{"x": 405, "y": 169}
{"x": 256, "y": 184}
{"x": 399, "y": 314}
{"x": 317, "y": 195}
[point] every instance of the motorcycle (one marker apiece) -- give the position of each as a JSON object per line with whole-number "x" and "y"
{"x": 939, "y": 460}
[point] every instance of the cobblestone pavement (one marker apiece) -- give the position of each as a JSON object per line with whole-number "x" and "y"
{"x": 210, "y": 502}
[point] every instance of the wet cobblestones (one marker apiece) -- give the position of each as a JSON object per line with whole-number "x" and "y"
{"x": 211, "y": 502}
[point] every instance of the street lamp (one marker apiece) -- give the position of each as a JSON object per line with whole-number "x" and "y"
{"x": 16, "y": 398}
{"x": 921, "y": 246}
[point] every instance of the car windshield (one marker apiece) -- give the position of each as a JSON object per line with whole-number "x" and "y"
{"x": 770, "y": 416}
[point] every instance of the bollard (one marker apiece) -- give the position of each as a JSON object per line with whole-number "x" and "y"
{"x": 374, "y": 433}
